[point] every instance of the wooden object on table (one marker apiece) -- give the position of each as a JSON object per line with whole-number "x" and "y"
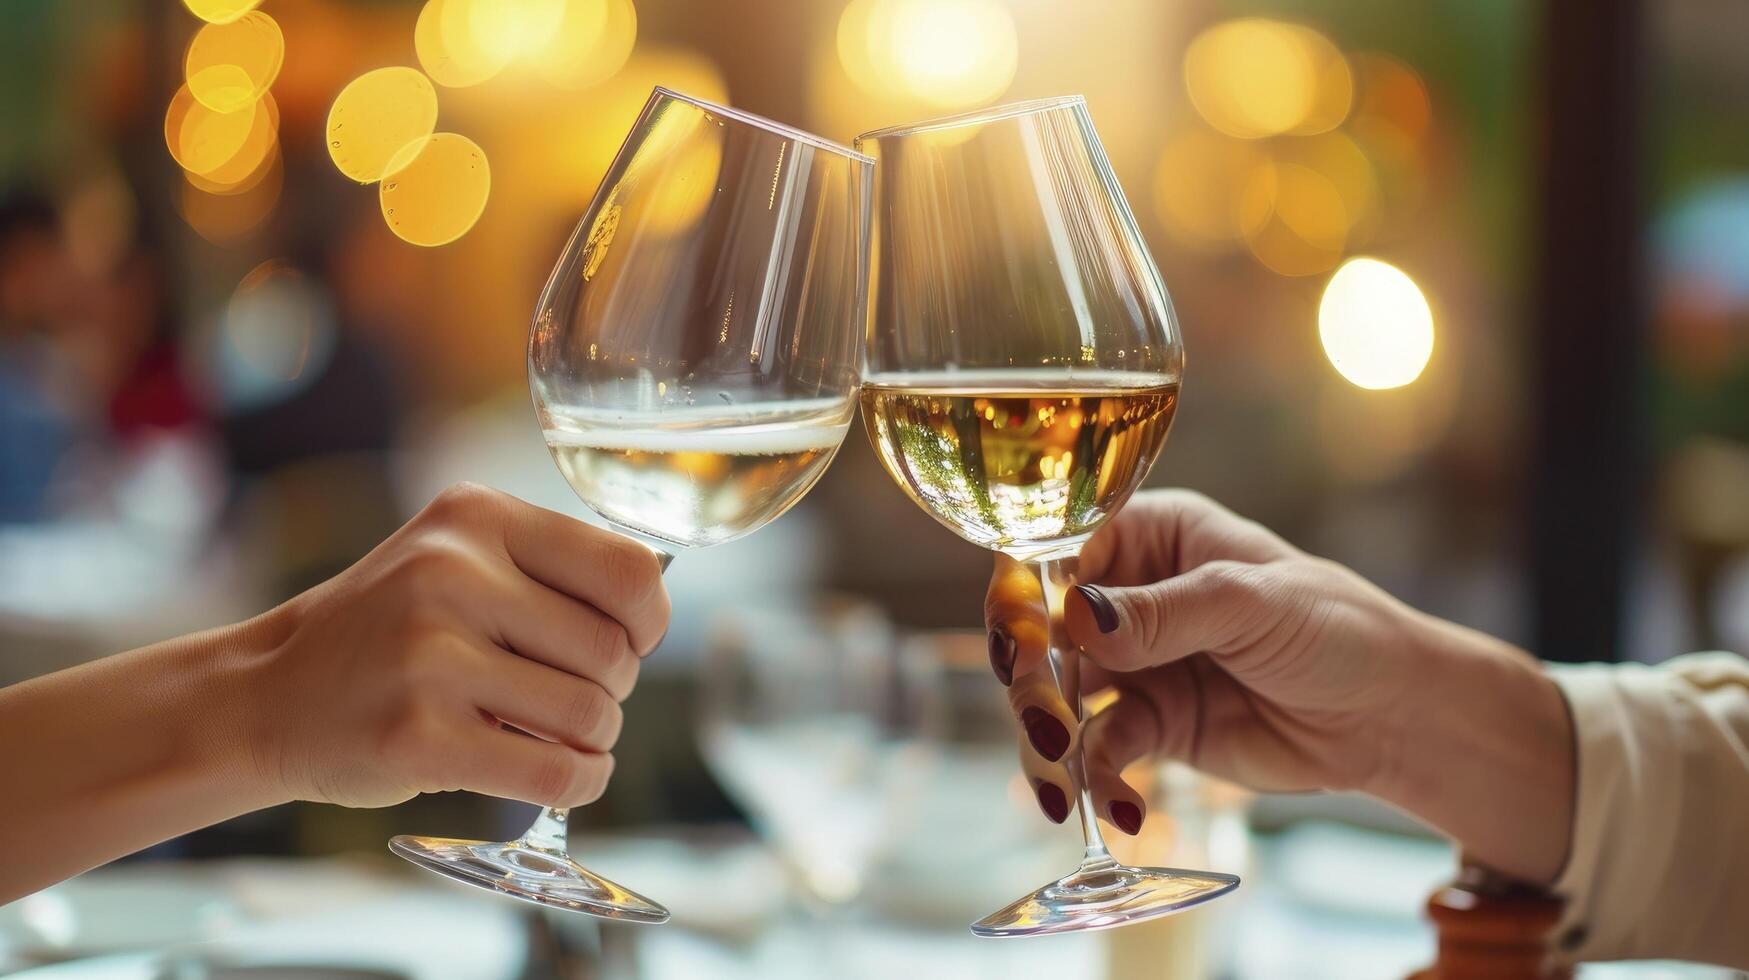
{"x": 1493, "y": 927}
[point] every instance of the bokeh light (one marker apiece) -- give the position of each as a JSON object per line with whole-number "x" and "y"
{"x": 230, "y": 65}
{"x": 1198, "y": 185}
{"x": 247, "y": 166}
{"x": 577, "y": 149}
{"x": 1391, "y": 95}
{"x": 223, "y": 218}
{"x": 449, "y": 48}
{"x": 375, "y": 116}
{"x": 941, "y": 53}
{"x": 220, "y": 11}
{"x": 435, "y": 189}
{"x": 1375, "y": 324}
{"x": 1294, "y": 220}
{"x": 466, "y": 42}
{"x": 274, "y": 336}
{"x": 1254, "y": 77}
{"x": 590, "y": 43}
{"x": 1339, "y": 159}
{"x": 202, "y": 140}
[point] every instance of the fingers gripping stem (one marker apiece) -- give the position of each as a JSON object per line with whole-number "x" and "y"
{"x": 1055, "y": 578}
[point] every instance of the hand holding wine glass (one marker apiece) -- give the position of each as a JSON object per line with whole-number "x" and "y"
{"x": 694, "y": 363}
{"x": 1023, "y": 371}
{"x": 1241, "y": 655}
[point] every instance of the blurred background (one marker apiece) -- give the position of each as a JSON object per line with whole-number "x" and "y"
{"x": 228, "y": 368}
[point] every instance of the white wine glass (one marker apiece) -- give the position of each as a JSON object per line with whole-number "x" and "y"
{"x": 693, "y": 362}
{"x": 1022, "y": 373}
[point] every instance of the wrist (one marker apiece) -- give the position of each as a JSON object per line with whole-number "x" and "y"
{"x": 1483, "y": 752}
{"x": 229, "y": 735}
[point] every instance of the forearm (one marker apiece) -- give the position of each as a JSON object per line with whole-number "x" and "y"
{"x": 116, "y": 755}
{"x": 1484, "y": 753}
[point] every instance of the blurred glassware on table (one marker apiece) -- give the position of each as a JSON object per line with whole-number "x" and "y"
{"x": 818, "y": 723}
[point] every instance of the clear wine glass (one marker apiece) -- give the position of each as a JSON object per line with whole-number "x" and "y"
{"x": 1023, "y": 370}
{"x": 693, "y": 362}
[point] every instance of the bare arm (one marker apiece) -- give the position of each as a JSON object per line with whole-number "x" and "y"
{"x": 396, "y": 677}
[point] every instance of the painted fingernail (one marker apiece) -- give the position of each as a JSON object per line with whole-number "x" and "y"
{"x": 1052, "y": 801}
{"x": 1046, "y": 733}
{"x": 1002, "y": 655}
{"x": 1126, "y": 816}
{"x": 1104, "y": 613}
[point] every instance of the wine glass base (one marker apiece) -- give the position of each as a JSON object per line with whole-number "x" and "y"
{"x": 1104, "y": 897}
{"x": 533, "y": 874}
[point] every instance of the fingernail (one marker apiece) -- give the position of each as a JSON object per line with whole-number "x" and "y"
{"x": 1104, "y": 613}
{"x": 1046, "y": 733}
{"x": 1052, "y": 801}
{"x": 1002, "y": 655}
{"x": 1126, "y": 816}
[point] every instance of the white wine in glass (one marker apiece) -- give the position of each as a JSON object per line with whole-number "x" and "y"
{"x": 694, "y": 364}
{"x": 1021, "y": 463}
{"x": 1022, "y": 373}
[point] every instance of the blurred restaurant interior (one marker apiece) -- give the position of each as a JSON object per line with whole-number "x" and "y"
{"x": 228, "y": 369}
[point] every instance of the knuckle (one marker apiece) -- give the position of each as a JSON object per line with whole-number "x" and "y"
{"x": 555, "y": 778}
{"x": 629, "y": 571}
{"x": 586, "y": 711}
{"x": 432, "y": 563}
{"x": 462, "y": 503}
{"x": 608, "y": 639}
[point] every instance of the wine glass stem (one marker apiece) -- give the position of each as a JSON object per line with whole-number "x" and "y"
{"x": 1055, "y": 577}
{"x": 547, "y": 833}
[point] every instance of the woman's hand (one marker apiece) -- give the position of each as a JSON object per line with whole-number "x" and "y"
{"x": 422, "y": 667}
{"x": 486, "y": 645}
{"x": 1231, "y": 650}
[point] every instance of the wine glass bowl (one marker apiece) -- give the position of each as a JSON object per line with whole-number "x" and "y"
{"x": 1022, "y": 373}
{"x": 693, "y": 362}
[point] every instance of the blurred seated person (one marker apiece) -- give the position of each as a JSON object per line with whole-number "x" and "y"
{"x": 486, "y": 645}
{"x": 1623, "y": 788}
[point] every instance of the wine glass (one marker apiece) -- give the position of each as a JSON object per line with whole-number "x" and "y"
{"x": 693, "y": 362}
{"x": 1022, "y": 372}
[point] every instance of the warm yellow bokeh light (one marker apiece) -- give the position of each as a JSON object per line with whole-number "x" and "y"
{"x": 249, "y": 164}
{"x": 1340, "y": 160}
{"x": 1392, "y": 95}
{"x": 224, "y": 218}
{"x": 220, "y": 11}
{"x": 1294, "y": 220}
{"x": 202, "y": 140}
{"x": 375, "y": 116}
{"x": 1254, "y": 77}
{"x": 941, "y": 53}
{"x": 435, "y": 189}
{"x": 1199, "y": 183}
{"x": 590, "y": 43}
{"x": 1375, "y": 324}
{"x": 449, "y": 49}
{"x": 1333, "y": 84}
{"x": 578, "y": 149}
{"x": 232, "y": 64}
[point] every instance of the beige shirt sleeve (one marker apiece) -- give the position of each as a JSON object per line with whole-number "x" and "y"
{"x": 1659, "y": 867}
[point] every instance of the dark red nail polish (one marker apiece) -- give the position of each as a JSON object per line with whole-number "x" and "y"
{"x": 1104, "y": 613}
{"x": 1126, "y": 816}
{"x": 1002, "y": 650}
{"x": 1046, "y": 733}
{"x": 1052, "y": 801}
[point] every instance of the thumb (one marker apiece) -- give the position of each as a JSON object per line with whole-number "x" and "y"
{"x": 1218, "y": 607}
